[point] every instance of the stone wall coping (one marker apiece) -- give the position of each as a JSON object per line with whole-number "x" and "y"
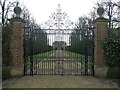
{"x": 101, "y": 19}
{"x": 17, "y": 19}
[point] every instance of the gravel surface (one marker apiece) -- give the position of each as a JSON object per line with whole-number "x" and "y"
{"x": 57, "y": 81}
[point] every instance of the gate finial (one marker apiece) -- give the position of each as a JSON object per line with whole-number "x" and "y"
{"x": 100, "y": 11}
{"x": 17, "y": 10}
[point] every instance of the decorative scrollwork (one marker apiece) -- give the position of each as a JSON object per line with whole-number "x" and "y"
{"x": 59, "y": 26}
{"x": 58, "y": 20}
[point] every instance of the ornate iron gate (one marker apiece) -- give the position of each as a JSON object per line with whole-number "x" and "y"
{"x": 58, "y": 48}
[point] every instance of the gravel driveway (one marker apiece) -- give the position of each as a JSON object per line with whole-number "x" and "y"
{"x": 57, "y": 81}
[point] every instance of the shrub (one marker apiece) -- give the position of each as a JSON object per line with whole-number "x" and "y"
{"x": 6, "y": 38}
{"x": 5, "y": 73}
{"x": 112, "y": 50}
{"x": 113, "y": 72}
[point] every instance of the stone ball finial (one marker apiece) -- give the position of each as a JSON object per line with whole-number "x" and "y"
{"x": 100, "y": 11}
{"x": 17, "y": 10}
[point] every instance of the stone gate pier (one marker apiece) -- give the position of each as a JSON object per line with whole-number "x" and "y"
{"x": 100, "y": 32}
{"x": 16, "y": 44}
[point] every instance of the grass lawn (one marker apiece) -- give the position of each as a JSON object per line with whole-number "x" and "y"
{"x": 75, "y": 56}
{"x": 38, "y": 57}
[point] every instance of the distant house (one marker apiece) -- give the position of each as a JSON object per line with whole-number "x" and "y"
{"x": 59, "y": 45}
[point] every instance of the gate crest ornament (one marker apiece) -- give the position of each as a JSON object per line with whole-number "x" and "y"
{"x": 59, "y": 25}
{"x": 58, "y": 20}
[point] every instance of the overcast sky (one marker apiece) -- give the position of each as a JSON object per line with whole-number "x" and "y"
{"x": 42, "y": 9}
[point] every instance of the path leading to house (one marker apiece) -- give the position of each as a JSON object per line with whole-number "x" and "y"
{"x": 57, "y": 81}
{"x": 58, "y": 63}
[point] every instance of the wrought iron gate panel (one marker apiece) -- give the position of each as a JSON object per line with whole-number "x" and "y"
{"x": 58, "y": 49}
{"x": 56, "y": 59}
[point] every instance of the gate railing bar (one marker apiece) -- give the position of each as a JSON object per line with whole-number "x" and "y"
{"x": 81, "y": 59}
{"x": 86, "y": 54}
{"x": 31, "y": 52}
{"x": 76, "y": 53}
{"x": 93, "y": 46}
{"x": 54, "y": 29}
{"x": 24, "y": 46}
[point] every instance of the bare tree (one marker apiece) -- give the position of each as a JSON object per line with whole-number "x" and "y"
{"x": 6, "y": 7}
{"x": 26, "y": 15}
{"x": 93, "y": 14}
{"x": 110, "y": 11}
{"x": 28, "y": 18}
